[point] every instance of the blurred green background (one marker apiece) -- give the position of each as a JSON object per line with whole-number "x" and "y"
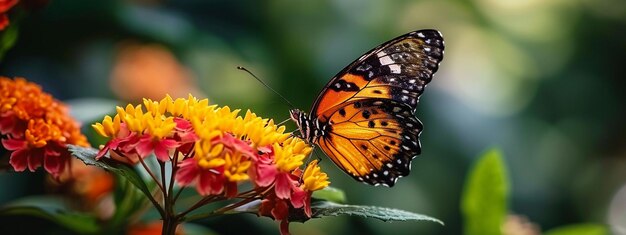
{"x": 541, "y": 80}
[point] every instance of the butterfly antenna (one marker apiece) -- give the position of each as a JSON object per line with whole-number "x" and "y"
{"x": 283, "y": 122}
{"x": 265, "y": 84}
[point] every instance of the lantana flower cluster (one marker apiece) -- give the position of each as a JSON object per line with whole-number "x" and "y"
{"x": 35, "y": 127}
{"x": 216, "y": 150}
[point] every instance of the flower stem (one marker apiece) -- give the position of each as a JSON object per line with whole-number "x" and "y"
{"x": 170, "y": 189}
{"x": 156, "y": 204}
{"x": 170, "y": 220}
{"x": 169, "y": 225}
{"x": 150, "y": 173}
{"x": 219, "y": 211}
{"x": 198, "y": 204}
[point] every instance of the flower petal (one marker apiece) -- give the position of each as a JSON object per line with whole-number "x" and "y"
{"x": 187, "y": 172}
{"x": 14, "y": 144}
{"x": 283, "y": 186}
{"x": 144, "y": 146}
{"x": 19, "y": 159}
{"x": 54, "y": 164}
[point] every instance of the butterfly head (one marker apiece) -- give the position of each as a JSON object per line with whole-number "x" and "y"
{"x": 295, "y": 114}
{"x": 304, "y": 124}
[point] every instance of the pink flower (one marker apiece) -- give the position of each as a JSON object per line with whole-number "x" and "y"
{"x": 161, "y": 147}
{"x": 208, "y": 182}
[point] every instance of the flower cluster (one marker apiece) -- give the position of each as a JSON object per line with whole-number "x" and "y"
{"x": 5, "y": 6}
{"x": 36, "y": 127}
{"x": 216, "y": 150}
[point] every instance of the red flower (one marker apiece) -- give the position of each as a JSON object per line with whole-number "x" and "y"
{"x": 266, "y": 172}
{"x": 278, "y": 209}
{"x": 35, "y": 127}
{"x": 208, "y": 181}
{"x": 5, "y": 5}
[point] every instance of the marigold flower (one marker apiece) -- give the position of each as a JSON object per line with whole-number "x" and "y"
{"x": 35, "y": 127}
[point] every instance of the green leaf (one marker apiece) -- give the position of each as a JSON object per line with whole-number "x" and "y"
{"x": 88, "y": 156}
{"x": 326, "y": 209}
{"x": 53, "y": 209}
{"x": 485, "y": 197}
{"x": 8, "y": 37}
{"x": 580, "y": 229}
{"x": 330, "y": 194}
{"x": 322, "y": 209}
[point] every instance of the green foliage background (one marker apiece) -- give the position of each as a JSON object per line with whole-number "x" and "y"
{"x": 541, "y": 80}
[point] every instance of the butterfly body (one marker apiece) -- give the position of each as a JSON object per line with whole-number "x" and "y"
{"x": 364, "y": 118}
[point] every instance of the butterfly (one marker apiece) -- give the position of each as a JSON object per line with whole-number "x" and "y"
{"x": 364, "y": 118}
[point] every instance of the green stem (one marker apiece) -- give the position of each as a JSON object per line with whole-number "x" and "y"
{"x": 198, "y": 204}
{"x": 149, "y": 195}
{"x": 170, "y": 189}
{"x": 150, "y": 173}
{"x": 169, "y": 225}
{"x": 170, "y": 221}
{"x": 219, "y": 211}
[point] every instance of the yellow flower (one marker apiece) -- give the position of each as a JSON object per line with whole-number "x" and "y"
{"x": 109, "y": 127}
{"x": 313, "y": 178}
{"x": 236, "y": 167}
{"x": 159, "y": 127}
{"x": 133, "y": 117}
{"x": 208, "y": 155}
{"x": 286, "y": 159}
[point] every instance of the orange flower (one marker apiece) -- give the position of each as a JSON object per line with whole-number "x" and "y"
{"x": 152, "y": 228}
{"x": 149, "y": 71}
{"x": 5, "y": 5}
{"x": 35, "y": 127}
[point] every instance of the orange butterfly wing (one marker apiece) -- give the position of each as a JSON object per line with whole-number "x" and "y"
{"x": 367, "y": 110}
{"x": 398, "y": 69}
{"x": 373, "y": 140}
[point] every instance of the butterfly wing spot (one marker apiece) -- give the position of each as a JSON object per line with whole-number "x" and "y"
{"x": 366, "y": 114}
{"x": 343, "y": 85}
{"x": 342, "y": 112}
